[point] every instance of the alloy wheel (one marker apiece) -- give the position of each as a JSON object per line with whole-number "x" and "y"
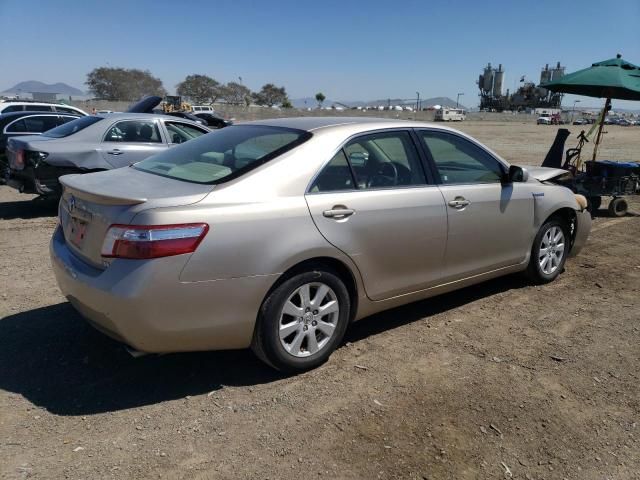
{"x": 308, "y": 319}
{"x": 552, "y": 248}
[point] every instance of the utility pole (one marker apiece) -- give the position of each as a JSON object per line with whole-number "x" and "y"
{"x": 418, "y": 102}
{"x": 573, "y": 110}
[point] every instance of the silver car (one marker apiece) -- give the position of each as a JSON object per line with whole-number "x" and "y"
{"x": 90, "y": 144}
{"x": 278, "y": 234}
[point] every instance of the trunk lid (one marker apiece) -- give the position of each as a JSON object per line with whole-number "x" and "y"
{"x": 91, "y": 203}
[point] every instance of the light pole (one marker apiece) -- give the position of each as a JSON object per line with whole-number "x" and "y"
{"x": 573, "y": 110}
{"x": 458, "y": 99}
{"x": 418, "y": 102}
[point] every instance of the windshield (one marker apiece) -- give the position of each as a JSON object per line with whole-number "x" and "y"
{"x": 224, "y": 154}
{"x": 72, "y": 127}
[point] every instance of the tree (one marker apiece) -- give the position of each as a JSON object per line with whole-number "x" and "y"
{"x": 270, "y": 95}
{"x": 199, "y": 89}
{"x": 320, "y": 98}
{"x": 113, "y": 83}
{"x": 235, "y": 93}
{"x": 287, "y": 103}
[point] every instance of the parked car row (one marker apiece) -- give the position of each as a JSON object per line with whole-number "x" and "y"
{"x": 40, "y": 147}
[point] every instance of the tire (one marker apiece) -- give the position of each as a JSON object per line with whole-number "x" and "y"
{"x": 540, "y": 271}
{"x": 618, "y": 207}
{"x": 287, "y": 324}
{"x": 594, "y": 204}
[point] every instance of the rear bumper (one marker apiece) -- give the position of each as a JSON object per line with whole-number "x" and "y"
{"x": 583, "y": 228}
{"x": 143, "y": 303}
{"x": 42, "y": 181}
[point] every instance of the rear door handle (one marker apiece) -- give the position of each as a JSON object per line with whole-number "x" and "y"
{"x": 338, "y": 213}
{"x": 115, "y": 151}
{"x": 459, "y": 203}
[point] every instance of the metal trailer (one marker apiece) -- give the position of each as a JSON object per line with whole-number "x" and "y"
{"x": 608, "y": 179}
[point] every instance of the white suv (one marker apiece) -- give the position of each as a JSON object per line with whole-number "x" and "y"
{"x": 202, "y": 109}
{"x": 7, "y": 107}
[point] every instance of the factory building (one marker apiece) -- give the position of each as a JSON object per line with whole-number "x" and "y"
{"x": 526, "y": 97}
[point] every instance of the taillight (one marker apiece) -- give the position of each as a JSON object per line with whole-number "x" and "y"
{"x": 19, "y": 159}
{"x": 152, "y": 241}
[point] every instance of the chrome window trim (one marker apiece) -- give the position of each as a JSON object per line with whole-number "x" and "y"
{"x": 44, "y": 114}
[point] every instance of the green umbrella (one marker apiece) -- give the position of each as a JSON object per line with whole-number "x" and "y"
{"x": 614, "y": 78}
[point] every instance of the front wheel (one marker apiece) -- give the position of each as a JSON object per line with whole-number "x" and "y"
{"x": 549, "y": 252}
{"x": 302, "y": 321}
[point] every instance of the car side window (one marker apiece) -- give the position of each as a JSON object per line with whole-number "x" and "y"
{"x": 133, "y": 131}
{"x": 17, "y": 127}
{"x": 36, "y": 124}
{"x": 67, "y": 118}
{"x": 38, "y": 108}
{"x": 385, "y": 159}
{"x": 335, "y": 176}
{"x": 13, "y": 108}
{"x": 460, "y": 161}
{"x": 65, "y": 110}
{"x": 181, "y": 132}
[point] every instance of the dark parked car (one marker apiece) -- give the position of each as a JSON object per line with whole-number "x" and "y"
{"x": 187, "y": 116}
{"x": 213, "y": 121}
{"x": 29, "y": 123}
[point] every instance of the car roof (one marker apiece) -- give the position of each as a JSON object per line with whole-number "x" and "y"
{"x": 314, "y": 123}
{"x": 19, "y": 102}
{"x": 6, "y": 118}
{"x": 128, "y": 116}
{"x": 311, "y": 124}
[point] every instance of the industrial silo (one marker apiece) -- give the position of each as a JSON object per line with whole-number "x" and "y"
{"x": 498, "y": 79}
{"x": 558, "y": 72}
{"x": 487, "y": 85}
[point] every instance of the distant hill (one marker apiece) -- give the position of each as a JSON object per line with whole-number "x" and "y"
{"x": 310, "y": 102}
{"x": 35, "y": 86}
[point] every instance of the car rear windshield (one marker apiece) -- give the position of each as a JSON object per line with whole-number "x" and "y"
{"x": 72, "y": 127}
{"x": 224, "y": 154}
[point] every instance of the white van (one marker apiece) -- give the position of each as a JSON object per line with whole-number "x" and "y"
{"x": 450, "y": 115}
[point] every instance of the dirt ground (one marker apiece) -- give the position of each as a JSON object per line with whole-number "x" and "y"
{"x": 499, "y": 380}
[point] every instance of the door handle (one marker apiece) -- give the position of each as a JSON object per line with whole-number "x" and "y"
{"x": 340, "y": 212}
{"x": 459, "y": 203}
{"x": 115, "y": 151}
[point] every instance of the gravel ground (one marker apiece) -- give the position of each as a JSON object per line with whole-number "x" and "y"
{"x": 499, "y": 380}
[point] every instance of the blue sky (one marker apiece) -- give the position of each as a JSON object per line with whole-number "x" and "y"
{"x": 350, "y": 50}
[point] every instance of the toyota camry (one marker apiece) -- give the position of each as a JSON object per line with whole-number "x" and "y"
{"x": 277, "y": 234}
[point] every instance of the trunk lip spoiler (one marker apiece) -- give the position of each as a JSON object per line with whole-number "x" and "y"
{"x": 68, "y": 183}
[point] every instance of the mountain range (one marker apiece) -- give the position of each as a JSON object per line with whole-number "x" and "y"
{"x": 35, "y": 86}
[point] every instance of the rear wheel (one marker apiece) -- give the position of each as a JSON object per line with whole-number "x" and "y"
{"x": 618, "y": 207}
{"x": 302, "y": 321}
{"x": 549, "y": 252}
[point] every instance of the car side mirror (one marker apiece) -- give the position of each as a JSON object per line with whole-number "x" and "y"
{"x": 515, "y": 174}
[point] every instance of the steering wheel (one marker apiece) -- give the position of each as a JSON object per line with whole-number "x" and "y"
{"x": 386, "y": 175}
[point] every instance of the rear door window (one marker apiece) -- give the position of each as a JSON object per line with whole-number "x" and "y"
{"x": 134, "y": 131}
{"x": 35, "y": 124}
{"x": 38, "y": 108}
